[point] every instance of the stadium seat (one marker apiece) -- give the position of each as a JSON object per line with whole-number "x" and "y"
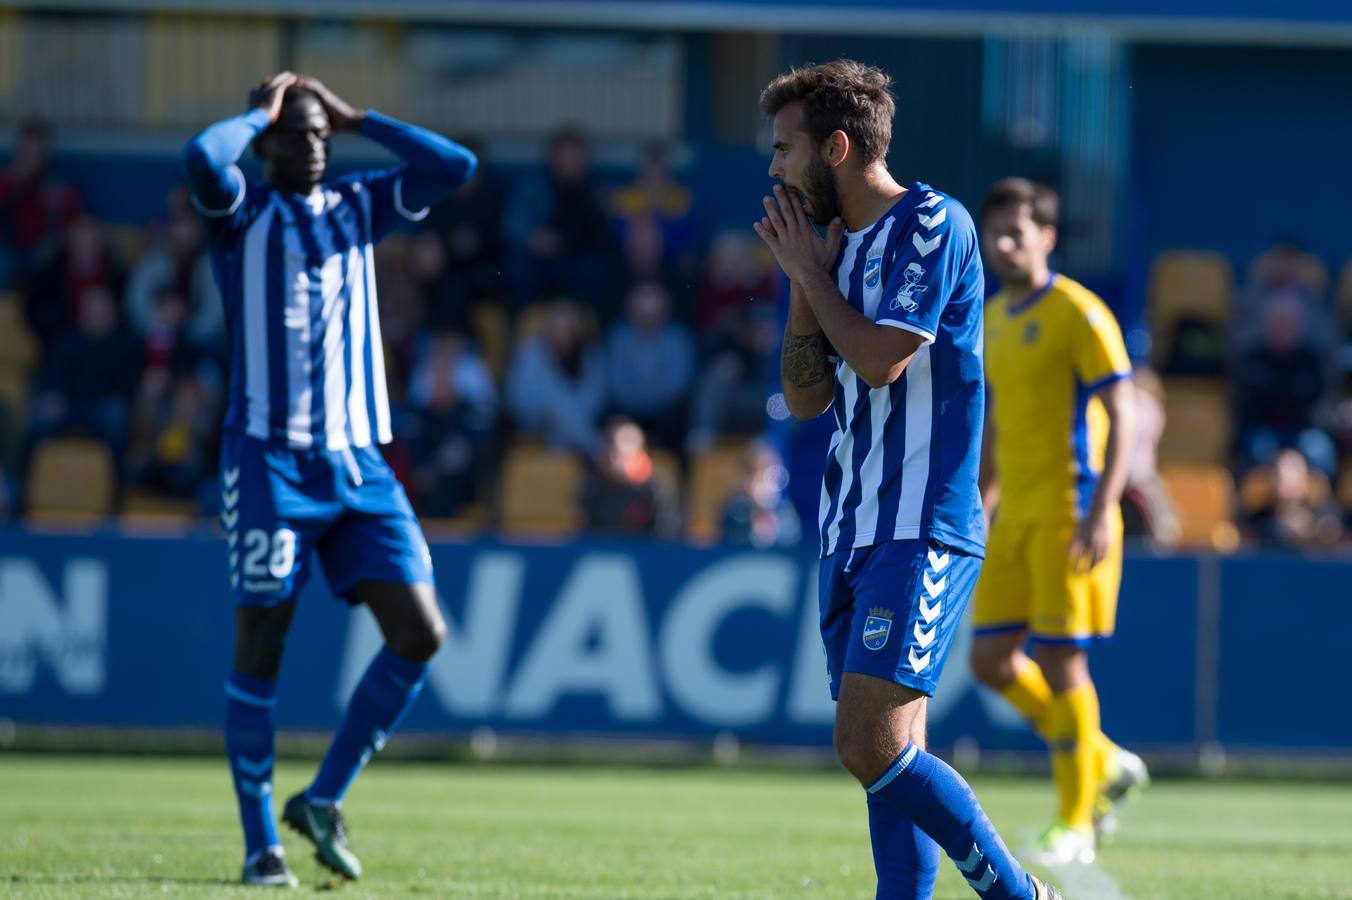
{"x": 489, "y": 321}
{"x": 714, "y": 475}
{"x": 128, "y": 242}
{"x": 18, "y": 346}
{"x": 145, "y": 509}
{"x": 1188, "y": 286}
{"x": 1197, "y": 421}
{"x": 1204, "y": 496}
{"x": 540, "y": 491}
{"x": 70, "y": 480}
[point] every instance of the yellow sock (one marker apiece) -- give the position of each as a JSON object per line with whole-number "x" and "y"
{"x": 1030, "y": 694}
{"x": 1073, "y": 735}
{"x": 1104, "y": 749}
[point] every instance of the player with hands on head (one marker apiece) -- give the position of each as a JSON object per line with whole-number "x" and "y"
{"x": 301, "y": 471}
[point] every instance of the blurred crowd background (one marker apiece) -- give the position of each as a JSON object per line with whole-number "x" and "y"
{"x": 586, "y": 336}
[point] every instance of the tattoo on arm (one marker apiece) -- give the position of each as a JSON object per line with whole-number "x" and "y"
{"x": 803, "y": 362}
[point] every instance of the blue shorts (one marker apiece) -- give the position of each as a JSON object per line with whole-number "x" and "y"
{"x": 892, "y": 610}
{"x": 279, "y": 503}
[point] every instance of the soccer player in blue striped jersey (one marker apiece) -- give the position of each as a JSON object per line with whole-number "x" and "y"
{"x": 300, "y": 466}
{"x": 890, "y": 303}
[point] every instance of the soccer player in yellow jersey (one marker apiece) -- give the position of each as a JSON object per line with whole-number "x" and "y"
{"x": 1055, "y": 462}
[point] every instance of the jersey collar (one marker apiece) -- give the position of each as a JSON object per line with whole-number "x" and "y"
{"x": 1015, "y": 309}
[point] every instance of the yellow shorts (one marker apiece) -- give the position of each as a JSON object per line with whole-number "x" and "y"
{"x": 1028, "y": 584}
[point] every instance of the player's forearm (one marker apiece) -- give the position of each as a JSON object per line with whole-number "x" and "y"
{"x": 877, "y": 353}
{"x": 804, "y": 369}
{"x": 1116, "y": 462}
{"x": 209, "y": 156}
{"x": 427, "y": 152}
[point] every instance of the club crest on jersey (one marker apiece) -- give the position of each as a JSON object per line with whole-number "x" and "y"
{"x": 873, "y": 267}
{"x": 877, "y": 627}
{"x": 911, "y": 286}
{"x": 1030, "y": 333}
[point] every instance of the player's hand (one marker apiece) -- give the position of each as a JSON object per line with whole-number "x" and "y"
{"x": 270, "y": 92}
{"x": 1090, "y": 544}
{"x": 342, "y": 115}
{"x": 793, "y": 240}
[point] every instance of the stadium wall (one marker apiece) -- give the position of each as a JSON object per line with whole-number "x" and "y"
{"x": 635, "y": 640}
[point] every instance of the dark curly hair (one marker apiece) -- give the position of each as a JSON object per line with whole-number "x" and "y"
{"x": 1044, "y": 202}
{"x": 842, "y": 95}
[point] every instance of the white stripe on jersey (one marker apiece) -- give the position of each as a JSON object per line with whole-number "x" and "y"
{"x": 378, "y": 392}
{"x": 296, "y": 327}
{"x": 359, "y": 423}
{"x": 919, "y": 432}
{"x": 335, "y": 370}
{"x": 255, "y": 281}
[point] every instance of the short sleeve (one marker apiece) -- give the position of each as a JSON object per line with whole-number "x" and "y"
{"x": 925, "y": 265}
{"x": 1100, "y": 353}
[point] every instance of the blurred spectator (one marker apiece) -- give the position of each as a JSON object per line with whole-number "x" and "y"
{"x": 34, "y": 209}
{"x": 176, "y": 459}
{"x": 656, "y": 197}
{"x": 451, "y": 431}
{"x": 441, "y": 295}
{"x": 649, "y": 365}
{"x": 176, "y": 261}
{"x": 1283, "y": 270}
{"x": 644, "y": 260}
{"x": 64, "y": 274}
{"x": 621, "y": 494}
{"x": 470, "y": 226}
{"x": 1279, "y": 384}
{"x": 557, "y": 228}
{"x": 402, "y": 311}
{"x": 758, "y": 513}
{"x": 1147, "y": 509}
{"x": 736, "y": 274}
{"x": 734, "y": 380}
{"x": 87, "y": 381}
{"x": 1287, "y": 504}
{"x": 556, "y": 384}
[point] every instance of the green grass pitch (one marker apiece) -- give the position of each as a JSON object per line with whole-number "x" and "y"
{"x": 101, "y": 827}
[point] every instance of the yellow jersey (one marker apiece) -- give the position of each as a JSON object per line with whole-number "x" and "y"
{"x": 1045, "y": 358}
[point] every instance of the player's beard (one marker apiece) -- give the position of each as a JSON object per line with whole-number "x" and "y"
{"x": 822, "y": 191}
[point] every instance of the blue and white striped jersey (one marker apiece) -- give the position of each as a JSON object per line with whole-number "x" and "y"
{"x": 903, "y": 463}
{"x": 297, "y": 276}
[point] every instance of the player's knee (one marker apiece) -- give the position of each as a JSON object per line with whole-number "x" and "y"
{"x": 857, "y": 752}
{"x": 993, "y": 666}
{"x": 258, "y": 650}
{"x": 1065, "y": 666}
{"x": 422, "y": 643}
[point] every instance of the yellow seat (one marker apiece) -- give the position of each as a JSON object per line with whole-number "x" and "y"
{"x": 71, "y": 480}
{"x": 18, "y": 346}
{"x": 540, "y": 492}
{"x": 1204, "y": 496}
{"x": 491, "y": 330}
{"x": 143, "y": 508}
{"x": 714, "y": 476}
{"x": 1197, "y": 421}
{"x": 1198, "y": 284}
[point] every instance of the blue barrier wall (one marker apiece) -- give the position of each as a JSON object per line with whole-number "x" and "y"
{"x": 636, "y": 639}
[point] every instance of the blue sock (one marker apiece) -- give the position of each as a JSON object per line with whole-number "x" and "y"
{"x": 905, "y": 858}
{"x": 248, "y": 746}
{"x": 937, "y": 799}
{"x": 383, "y": 695}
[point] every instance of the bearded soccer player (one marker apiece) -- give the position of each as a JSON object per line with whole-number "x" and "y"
{"x": 1060, "y": 427}
{"x": 885, "y": 329}
{"x": 300, "y": 467}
